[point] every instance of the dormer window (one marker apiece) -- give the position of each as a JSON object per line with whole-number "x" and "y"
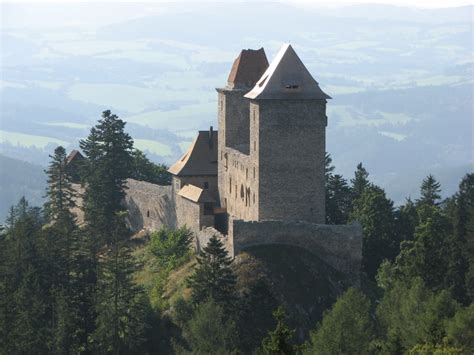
{"x": 291, "y": 87}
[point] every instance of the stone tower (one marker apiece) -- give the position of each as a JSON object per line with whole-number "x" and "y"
{"x": 271, "y": 143}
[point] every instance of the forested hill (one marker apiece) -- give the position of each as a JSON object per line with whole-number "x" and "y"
{"x": 95, "y": 288}
{"x": 19, "y": 178}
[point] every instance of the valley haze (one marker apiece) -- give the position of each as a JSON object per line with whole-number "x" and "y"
{"x": 401, "y": 80}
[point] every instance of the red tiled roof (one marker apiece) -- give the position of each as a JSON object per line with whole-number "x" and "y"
{"x": 247, "y": 68}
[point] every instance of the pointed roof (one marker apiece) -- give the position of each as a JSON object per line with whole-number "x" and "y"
{"x": 248, "y": 67}
{"x": 74, "y": 155}
{"x": 201, "y": 157}
{"x": 287, "y": 78}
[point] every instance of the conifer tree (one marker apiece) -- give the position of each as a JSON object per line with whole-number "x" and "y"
{"x": 213, "y": 277}
{"x": 407, "y": 220}
{"x": 338, "y": 200}
{"x": 120, "y": 308}
{"x": 59, "y": 191}
{"x": 22, "y": 299}
{"x": 108, "y": 151}
{"x": 360, "y": 182}
{"x": 329, "y": 168}
{"x": 211, "y": 330}
{"x": 145, "y": 170}
{"x": 375, "y": 212}
{"x": 434, "y": 255}
{"x": 463, "y": 220}
{"x": 430, "y": 191}
{"x": 346, "y": 328}
{"x": 279, "y": 340}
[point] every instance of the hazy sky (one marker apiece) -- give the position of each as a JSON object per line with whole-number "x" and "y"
{"x": 412, "y": 3}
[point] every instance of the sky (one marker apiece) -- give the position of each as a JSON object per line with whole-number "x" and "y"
{"x": 410, "y": 3}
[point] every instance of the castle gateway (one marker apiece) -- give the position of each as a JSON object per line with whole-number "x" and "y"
{"x": 260, "y": 178}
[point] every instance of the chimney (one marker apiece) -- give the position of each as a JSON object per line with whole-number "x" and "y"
{"x": 211, "y": 130}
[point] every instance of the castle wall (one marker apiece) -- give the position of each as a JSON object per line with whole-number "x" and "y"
{"x": 239, "y": 184}
{"x": 235, "y": 128}
{"x": 192, "y": 215}
{"x": 338, "y": 245}
{"x": 179, "y": 181}
{"x": 237, "y": 168}
{"x": 289, "y": 139}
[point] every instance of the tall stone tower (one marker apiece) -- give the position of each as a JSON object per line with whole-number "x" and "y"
{"x": 271, "y": 144}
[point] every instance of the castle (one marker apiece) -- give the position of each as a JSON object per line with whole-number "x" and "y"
{"x": 260, "y": 178}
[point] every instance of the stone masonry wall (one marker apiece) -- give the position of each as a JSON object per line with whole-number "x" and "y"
{"x": 237, "y": 163}
{"x": 149, "y": 206}
{"x": 199, "y": 181}
{"x": 289, "y": 138}
{"x": 338, "y": 245}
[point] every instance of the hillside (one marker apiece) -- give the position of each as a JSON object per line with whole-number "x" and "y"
{"x": 269, "y": 276}
{"x": 17, "y": 179}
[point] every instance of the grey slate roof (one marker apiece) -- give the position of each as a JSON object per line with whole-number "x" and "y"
{"x": 287, "y": 78}
{"x": 200, "y": 158}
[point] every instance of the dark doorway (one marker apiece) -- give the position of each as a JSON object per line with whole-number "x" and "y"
{"x": 221, "y": 222}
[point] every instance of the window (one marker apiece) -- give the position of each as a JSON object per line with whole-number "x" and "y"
{"x": 254, "y": 198}
{"x": 254, "y": 145}
{"x": 246, "y": 173}
{"x": 254, "y": 173}
{"x": 148, "y": 214}
{"x": 230, "y": 184}
{"x": 242, "y": 194}
{"x": 206, "y": 185}
{"x": 177, "y": 185}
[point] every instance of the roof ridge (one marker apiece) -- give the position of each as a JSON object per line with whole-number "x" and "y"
{"x": 287, "y": 78}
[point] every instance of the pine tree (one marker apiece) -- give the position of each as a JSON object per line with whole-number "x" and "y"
{"x": 375, "y": 212}
{"x": 410, "y": 313}
{"x": 430, "y": 191}
{"x": 406, "y": 220}
{"x": 279, "y": 340}
{"x": 338, "y": 200}
{"x": 145, "y": 170}
{"x": 345, "y": 329}
{"x": 329, "y": 168}
{"x": 211, "y": 330}
{"x": 108, "y": 150}
{"x": 213, "y": 277}
{"x": 23, "y": 314}
{"x": 360, "y": 182}
{"x": 435, "y": 255}
{"x": 463, "y": 220}
{"x": 59, "y": 192}
{"x": 120, "y": 308}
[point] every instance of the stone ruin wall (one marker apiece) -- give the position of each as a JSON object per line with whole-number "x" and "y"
{"x": 149, "y": 206}
{"x": 340, "y": 246}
